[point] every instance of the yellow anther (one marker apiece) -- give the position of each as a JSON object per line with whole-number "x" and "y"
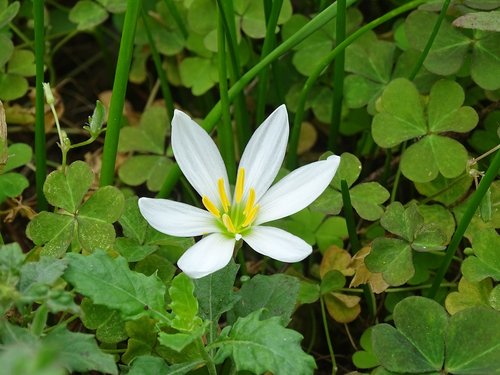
{"x": 250, "y": 201}
{"x": 228, "y": 223}
{"x": 210, "y": 206}
{"x": 250, "y": 217}
{"x": 223, "y": 195}
{"x": 240, "y": 181}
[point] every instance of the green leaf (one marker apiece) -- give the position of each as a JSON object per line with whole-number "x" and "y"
{"x": 486, "y": 21}
{"x": 12, "y": 185}
{"x": 114, "y": 6}
{"x": 367, "y": 199}
{"x": 109, "y": 326}
{"x": 332, "y": 281}
{"x": 417, "y": 345}
{"x": 133, "y": 223}
{"x": 22, "y": 62}
{"x": 111, "y": 283}
{"x": 275, "y": 294}
{"x": 133, "y": 251}
{"x": 434, "y": 154}
{"x": 485, "y": 66}
{"x": 148, "y": 364}
{"x": 438, "y": 216}
{"x": 348, "y": 170}
{"x": 253, "y": 22}
{"x": 263, "y": 345}
{"x": 7, "y": 48}
{"x": 393, "y": 258}
{"x": 180, "y": 340}
{"x": 79, "y": 352}
{"x": 199, "y": 74}
{"x": 365, "y": 358}
{"x": 331, "y": 232}
{"x": 486, "y": 262}
{"x": 9, "y": 13}
{"x": 184, "y": 305}
{"x": 401, "y": 117}
{"x": 149, "y": 136}
{"x": 67, "y": 190}
{"x": 87, "y": 15}
{"x": 473, "y": 341}
{"x": 19, "y": 154}
{"x": 52, "y": 231}
{"x": 12, "y": 86}
{"x": 343, "y": 308}
{"x": 469, "y": 295}
{"x": 141, "y": 168}
{"x": 444, "y": 190}
{"x": 44, "y": 272}
{"x": 215, "y": 292}
{"x": 143, "y": 337}
{"x": 401, "y": 221}
{"x": 106, "y": 204}
{"x": 94, "y": 233}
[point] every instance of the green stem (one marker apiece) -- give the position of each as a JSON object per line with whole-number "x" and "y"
{"x": 224, "y": 130}
{"x": 267, "y": 47}
{"x": 430, "y": 41}
{"x": 206, "y": 357}
{"x": 40, "y": 155}
{"x": 165, "y": 88}
{"x": 213, "y": 116}
{"x": 474, "y": 203}
{"x": 338, "y": 77}
{"x": 119, "y": 91}
{"x": 397, "y": 177}
{"x": 327, "y": 335}
{"x": 311, "y": 80}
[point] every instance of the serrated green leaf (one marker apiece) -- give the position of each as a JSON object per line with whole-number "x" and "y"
{"x": 276, "y": 294}
{"x": 263, "y": 345}
{"x": 11, "y": 258}
{"x": 67, "y": 190}
{"x": 109, "y": 326}
{"x": 87, "y": 15}
{"x": 45, "y": 271}
{"x": 393, "y": 258}
{"x": 473, "y": 341}
{"x": 111, "y": 283}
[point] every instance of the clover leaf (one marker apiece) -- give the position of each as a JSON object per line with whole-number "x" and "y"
{"x": 88, "y": 225}
{"x": 393, "y": 256}
{"x": 403, "y": 117}
{"x": 451, "y": 49}
{"x": 469, "y": 295}
{"x": 366, "y": 198}
{"x": 486, "y": 259}
{"x": 13, "y": 184}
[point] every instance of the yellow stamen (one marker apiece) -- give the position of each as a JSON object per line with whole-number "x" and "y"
{"x": 210, "y": 206}
{"x": 250, "y": 217}
{"x": 228, "y": 223}
{"x": 223, "y": 196}
{"x": 240, "y": 181}
{"x": 250, "y": 201}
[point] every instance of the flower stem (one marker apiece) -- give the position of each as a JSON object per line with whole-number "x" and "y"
{"x": 206, "y": 357}
{"x": 119, "y": 91}
{"x": 40, "y": 151}
{"x": 327, "y": 335}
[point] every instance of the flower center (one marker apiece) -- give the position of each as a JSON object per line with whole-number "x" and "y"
{"x": 237, "y": 217}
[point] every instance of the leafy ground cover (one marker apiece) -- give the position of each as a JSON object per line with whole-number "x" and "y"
{"x": 390, "y": 267}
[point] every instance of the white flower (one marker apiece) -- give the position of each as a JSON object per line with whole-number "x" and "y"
{"x": 233, "y": 216}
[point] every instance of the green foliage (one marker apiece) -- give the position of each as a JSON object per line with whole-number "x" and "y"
{"x": 277, "y": 348}
{"x": 87, "y": 225}
{"x": 403, "y": 117}
{"x": 485, "y": 261}
{"x": 13, "y": 184}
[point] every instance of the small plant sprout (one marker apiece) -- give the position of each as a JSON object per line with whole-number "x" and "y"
{"x": 233, "y": 216}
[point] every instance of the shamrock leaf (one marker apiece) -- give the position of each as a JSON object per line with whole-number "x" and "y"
{"x": 451, "y": 47}
{"x": 403, "y": 117}
{"x": 486, "y": 259}
{"x": 253, "y": 19}
{"x": 87, "y": 15}
{"x": 13, "y": 184}
{"x": 365, "y": 358}
{"x": 469, "y": 295}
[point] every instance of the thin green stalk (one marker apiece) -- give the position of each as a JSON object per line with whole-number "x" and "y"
{"x": 474, "y": 203}
{"x": 397, "y": 177}
{"x": 172, "y": 9}
{"x": 327, "y": 335}
{"x": 119, "y": 91}
{"x": 355, "y": 243}
{"x": 243, "y": 131}
{"x": 40, "y": 155}
{"x": 165, "y": 87}
{"x": 269, "y": 42}
{"x": 225, "y": 130}
{"x": 206, "y": 357}
{"x": 430, "y": 41}
{"x": 213, "y": 116}
{"x": 299, "y": 114}
{"x": 338, "y": 77}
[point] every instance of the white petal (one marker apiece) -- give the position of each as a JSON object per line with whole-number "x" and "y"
{"x": 264, "y": 152}
{"x": 198, "y": 157}
{"x": 177, "y": 219}
{"x": 207, "y": 256}
{"x": 277, "y": 244}
{"x": 297, "y": 190}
